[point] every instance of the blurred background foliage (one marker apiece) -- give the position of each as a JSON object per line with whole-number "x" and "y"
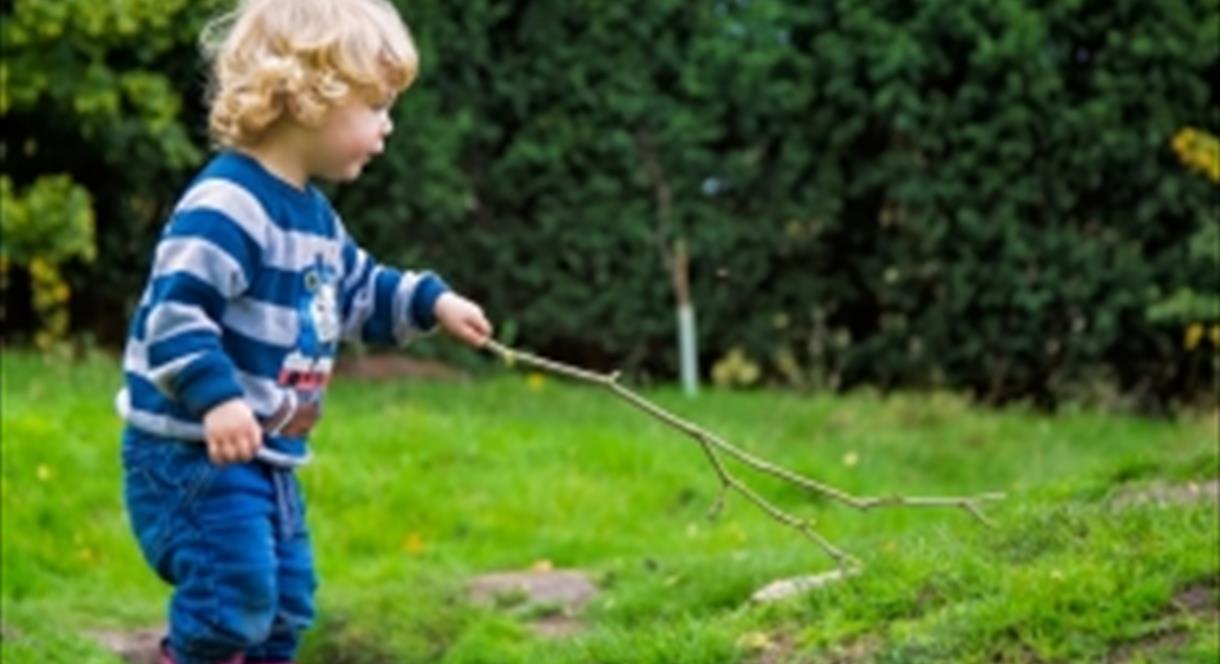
{"x": 1017, "y": 198}
{"x": 101, "y": 105}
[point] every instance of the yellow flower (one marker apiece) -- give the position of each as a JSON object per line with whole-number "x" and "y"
{"x": 535, "y": 381}
{"x": 735, "y": 368}
{"x": 851, "y": 459}
{"x": 1182, "y": 140}
{"x": 542, "y": 565}
{"x": 755, "y": 642}
{"x": 413, "y": 543}
{"x": 39, "y": 268}
{"x": 1198, "y": 150}
{"x": 1192, "y": 336}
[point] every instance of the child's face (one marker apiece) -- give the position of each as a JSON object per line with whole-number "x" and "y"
{"x": 352, "y": 134}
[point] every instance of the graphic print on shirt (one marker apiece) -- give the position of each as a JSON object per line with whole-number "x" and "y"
{"x": 307, "y": 368}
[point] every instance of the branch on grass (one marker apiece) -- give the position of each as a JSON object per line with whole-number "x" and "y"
{"x": 713, "y": 445}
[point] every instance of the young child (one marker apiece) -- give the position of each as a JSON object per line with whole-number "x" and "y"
{"x": 253, "y": 283}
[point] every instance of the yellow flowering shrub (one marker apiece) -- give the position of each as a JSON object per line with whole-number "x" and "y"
{"x": 1199, "y": 151}
{"x": 44, "y": 226}
{"x": 736, "y": 369}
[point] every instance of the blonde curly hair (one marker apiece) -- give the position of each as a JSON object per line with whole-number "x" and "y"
{"x": 272, "y": 58}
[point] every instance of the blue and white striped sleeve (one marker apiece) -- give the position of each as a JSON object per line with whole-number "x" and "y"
{"x": 380, "y": 304}
{"x": 203, "y": 260}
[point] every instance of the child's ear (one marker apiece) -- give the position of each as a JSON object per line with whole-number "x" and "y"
{"x": 292, "y": 107}
{"x": 301, "y": 111}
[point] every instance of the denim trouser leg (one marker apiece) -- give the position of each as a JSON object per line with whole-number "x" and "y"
{"x": 232, "y": 542}
{"x": 294, "y": 576}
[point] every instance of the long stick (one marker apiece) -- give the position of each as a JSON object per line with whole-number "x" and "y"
{"x": 713, "y": 444}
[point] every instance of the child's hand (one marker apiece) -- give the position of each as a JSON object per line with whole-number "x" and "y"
{"x": 232, "y": 432}
{"x": 463, "y": 319}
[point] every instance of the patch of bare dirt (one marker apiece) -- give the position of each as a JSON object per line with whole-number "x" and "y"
{"x": 1196, "y": 599}
{"x": 768, "y": 649}
{"x": 551, "y": 599}
{"x": 782, "y": 648}
{"x": 393, "y": 366}
{"x": 8, "y": 633}
{"x": 142, "y": 646}
{"x": 1162, "y": 640}
{"x": 1167, "y": 494}
{"x": 863, "y": 649}
{"x": 558, "y": 626}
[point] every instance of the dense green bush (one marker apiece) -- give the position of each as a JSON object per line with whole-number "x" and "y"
{"x": 980, "y": 194}
{"x": 973, "y": 193}
{"x": 106, "y": 96}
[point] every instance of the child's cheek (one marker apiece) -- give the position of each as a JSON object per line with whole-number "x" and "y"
{"x": 347, "y": 147}
{"x": 360, "y": 143}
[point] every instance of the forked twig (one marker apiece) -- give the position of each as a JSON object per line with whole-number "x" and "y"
{"x": 713, "y": 444}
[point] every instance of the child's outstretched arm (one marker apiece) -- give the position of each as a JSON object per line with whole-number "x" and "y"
{"x": 203, "y": 260}
{"x": 382, "y": 304}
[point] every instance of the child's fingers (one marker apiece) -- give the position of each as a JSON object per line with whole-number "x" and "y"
{"x": 230, "y": 447}
{"x": 250, "y": 440}
{"x": 478, "y": 331}
{"x": 232, "y": 432}
{"x": 218, "y": 449}
{"x": 479, "y": 323}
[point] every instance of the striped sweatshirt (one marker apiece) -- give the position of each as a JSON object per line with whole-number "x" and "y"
{"x": 253, "y": 284}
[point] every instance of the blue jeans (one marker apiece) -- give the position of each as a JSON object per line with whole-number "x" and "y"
{"x": 231, "y": 540}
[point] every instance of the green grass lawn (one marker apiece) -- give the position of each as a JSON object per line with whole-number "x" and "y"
{"x": 417, "y": 487}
